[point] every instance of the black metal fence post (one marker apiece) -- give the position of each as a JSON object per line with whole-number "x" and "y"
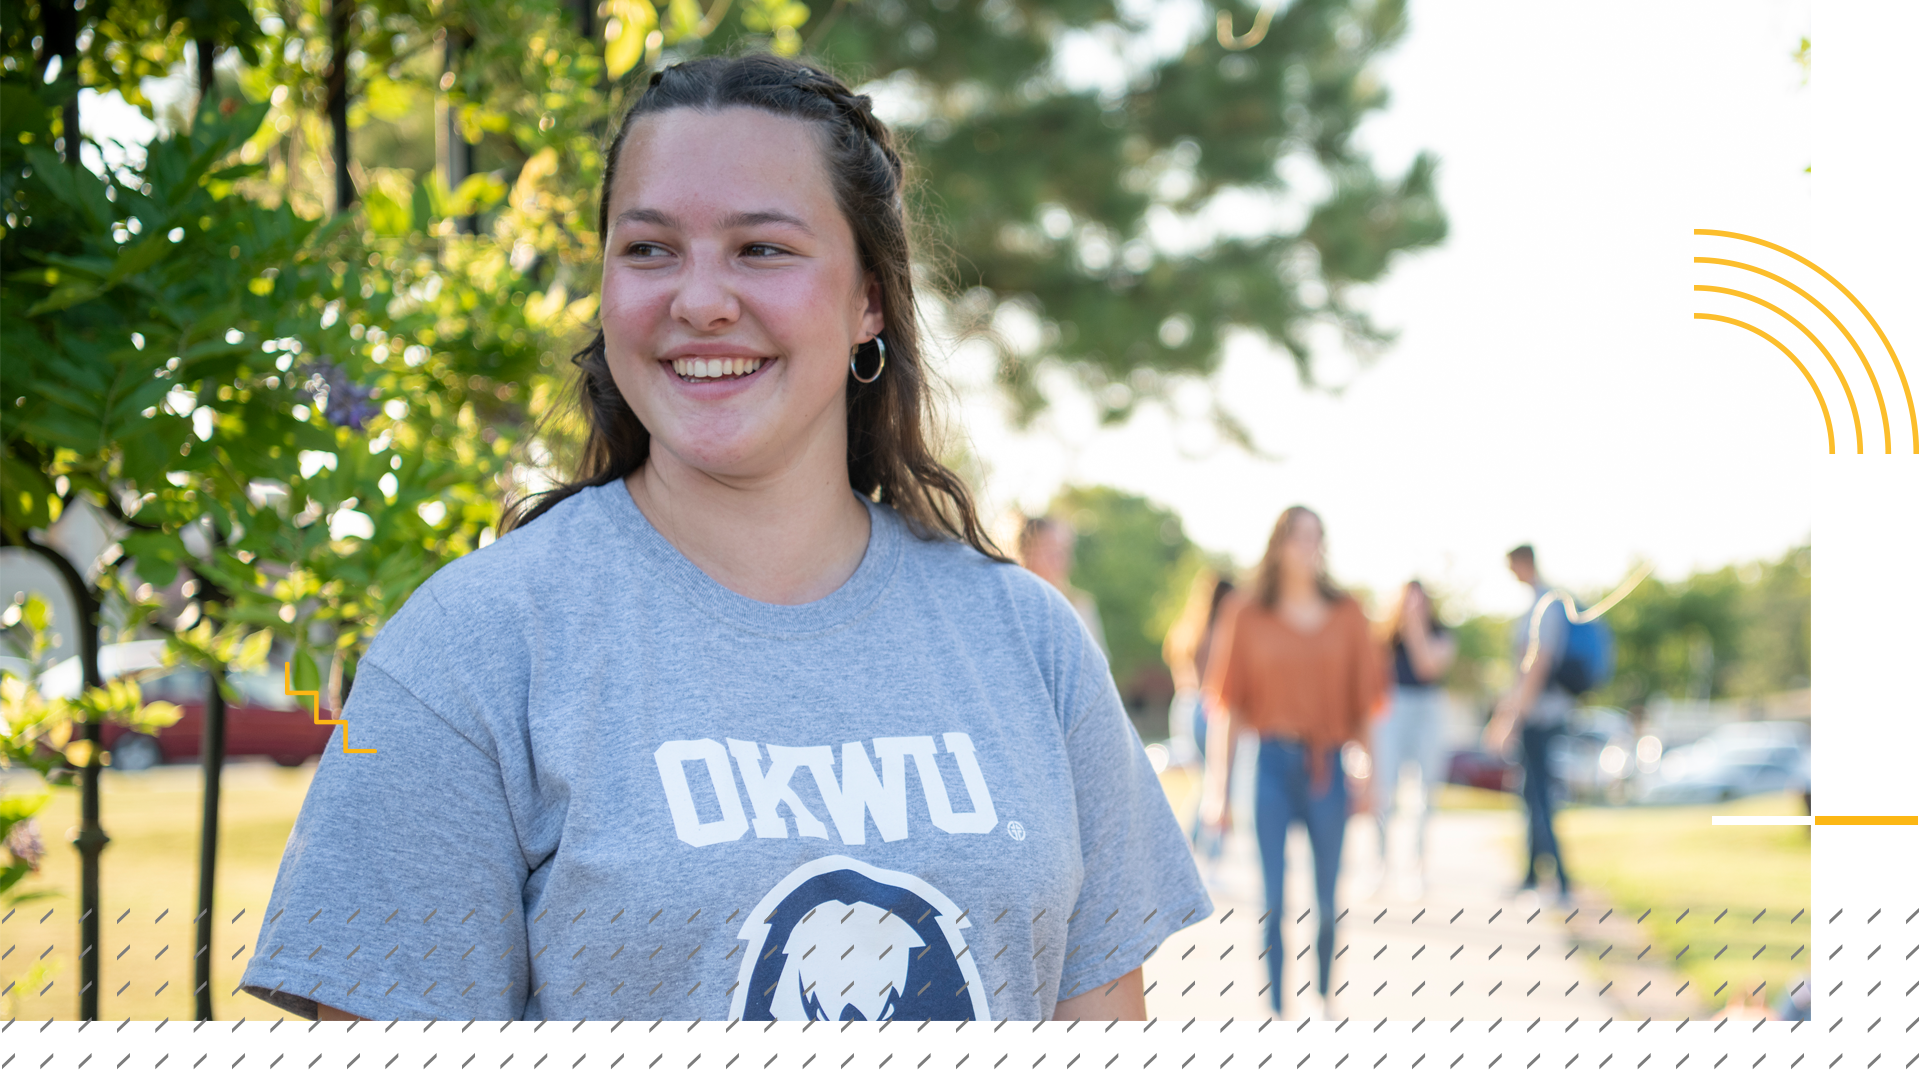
{"x": 340, "y": 15}
{"x": 213, "y": 753}
{"x": 90, "y": 838}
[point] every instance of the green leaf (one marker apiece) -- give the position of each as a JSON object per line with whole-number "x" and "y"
{"x": 253, "y": 651}
{"x": 27, "y": 494}
{"x": 11, "y": 875}
{"x": 633, "y": 21}
{"x": 158, "y": 556}
{"x": 306, "y": 673}
{"x": 17, "y": 808}
{"x": 422, "y": 207}
{"x": 477, "y": 193}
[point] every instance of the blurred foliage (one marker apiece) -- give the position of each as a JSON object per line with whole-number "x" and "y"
{"x": 1739, "y": 631}
{"x": 1483, "y": 660}
{"x": 1122, "y": 229}
{"x": 248, "y": 397}
{"x": 1136, "y": 560}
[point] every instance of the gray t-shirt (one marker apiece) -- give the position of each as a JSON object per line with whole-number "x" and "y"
{"x": 606, "y": 787}
{"x": 1554, "y": 703}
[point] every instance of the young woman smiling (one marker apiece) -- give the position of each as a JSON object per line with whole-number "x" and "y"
{"x": 749, "y": 720}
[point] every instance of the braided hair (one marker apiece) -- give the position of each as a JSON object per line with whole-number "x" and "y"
{"x": 888, "y": 453}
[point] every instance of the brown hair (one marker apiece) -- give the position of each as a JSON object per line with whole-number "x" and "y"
{"x": 1391, "y": 627}
{"x": 889, "y": 457}
{"x": 1185, "y": 646}
{"x": 1031, "y": 530}
{"x": 1266, "y": 578}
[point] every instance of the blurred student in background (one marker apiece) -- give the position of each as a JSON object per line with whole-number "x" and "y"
{"x": 1420, "y": 651}
{"x": 1046, "y": 548}
{"x": 1293, "y": 660}
{"x": 1185, "y": 650}
{"x": 1538, "y": 707}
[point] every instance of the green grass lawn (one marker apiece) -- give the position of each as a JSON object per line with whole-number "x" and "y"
{"x": 1701, "y": 886}
{"x": 1707, "y": 885}
{"x": 149, "y": 878}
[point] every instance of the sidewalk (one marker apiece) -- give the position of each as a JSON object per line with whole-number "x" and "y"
{"x": 1464, "y": 948}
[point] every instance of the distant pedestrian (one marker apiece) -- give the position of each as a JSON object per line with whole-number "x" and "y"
{"x": 1186, "y": 649}
{"x": 1538, "y": 707}
{"x": 1797, "y": 1004}
{"x": 1046, "y": 548}
{"x": 1293, "y": 661}
{"x": 1420, "y": 651}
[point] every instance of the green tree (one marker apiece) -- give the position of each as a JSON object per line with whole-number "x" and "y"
{"x": 1085, "y": 210}
{"x": 1776, "y": 620}
{"x": 1483, "y": 659}
{"x": 1136, "y": 560}
{"x": 1738, "y": 630}
{"x": 250, "y": 397}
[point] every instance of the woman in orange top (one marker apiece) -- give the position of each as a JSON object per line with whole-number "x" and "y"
{"x": 1294, "y": 663}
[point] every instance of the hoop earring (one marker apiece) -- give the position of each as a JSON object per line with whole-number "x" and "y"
{"x": 853, "y": 364}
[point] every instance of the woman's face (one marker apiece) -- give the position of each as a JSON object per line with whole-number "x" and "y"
{"x": 1415, "y": 602}
{"x": 1301, "y": 546}
{"x": 732, "y": 292}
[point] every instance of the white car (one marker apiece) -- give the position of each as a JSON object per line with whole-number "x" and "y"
{"x": 1734, "y": 761}
{"x": 1595, "y": 759}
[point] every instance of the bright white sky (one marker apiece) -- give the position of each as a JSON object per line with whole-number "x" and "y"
{"x": 1549, "y": 384}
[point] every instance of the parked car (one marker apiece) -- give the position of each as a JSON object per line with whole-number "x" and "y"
{"x": 1596, "y": 758}
{"x": 1591, "y": 763}
{"x": 117, "y": 660}
{"x": 1734, "y": 761}
{"x": 1473, "y": 767}
{"x": 268, "y": 723}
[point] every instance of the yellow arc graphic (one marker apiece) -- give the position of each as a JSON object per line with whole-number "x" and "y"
{"x": 1913, "y": 418}
{"x": 1859, "y": 446}
{"x": 1822, "y": 398}
{"x": 287, "y": 678}
{"x": 1886, "y": 428}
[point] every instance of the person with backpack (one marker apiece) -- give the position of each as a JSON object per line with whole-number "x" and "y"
{"x": 1538, "y": 706}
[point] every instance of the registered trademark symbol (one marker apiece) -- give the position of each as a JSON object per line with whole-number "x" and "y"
{"x": 1016, "y": 830}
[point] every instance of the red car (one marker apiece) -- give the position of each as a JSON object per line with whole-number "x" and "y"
{"x": 267, "y": 724}
{"x": 1477, "y": 768}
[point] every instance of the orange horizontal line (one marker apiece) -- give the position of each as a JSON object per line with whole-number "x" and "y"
{"x": 1868, "y": 819}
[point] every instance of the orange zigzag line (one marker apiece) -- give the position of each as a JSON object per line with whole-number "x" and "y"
{"x": 287, "y": 676}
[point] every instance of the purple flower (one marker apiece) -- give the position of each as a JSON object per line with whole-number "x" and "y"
{"x": 342, "y": 401}
{"x": 23, "y": 840}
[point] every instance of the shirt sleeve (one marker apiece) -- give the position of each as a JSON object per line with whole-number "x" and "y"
{"x": 399, "y": 895}
{"x": 1369, "y": 676}
{"x": 1139, "y": 884}
{"x": 1223, "y": 677}
{"x": 1553, "y": 631}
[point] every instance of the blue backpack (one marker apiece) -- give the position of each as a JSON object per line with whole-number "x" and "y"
{"x": 1587, "y": 662}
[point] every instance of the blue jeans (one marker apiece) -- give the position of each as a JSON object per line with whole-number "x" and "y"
{"x": 1282, "y": 793}
{"x": 1411, "y": 733}
{"x": 1205, "y": 842}
{"x": 1536, "y": 791}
